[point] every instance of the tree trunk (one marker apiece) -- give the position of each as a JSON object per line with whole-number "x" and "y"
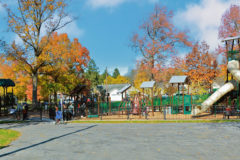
{"x": 55, "y": 97}
{"x": 34, "y": 91}
{"x": 152, "y": 67}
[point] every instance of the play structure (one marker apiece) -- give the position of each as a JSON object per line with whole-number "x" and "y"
{"x": 147, "y": 103}
{"x": 7, "y": 98}
{"x": 233, "y": 76}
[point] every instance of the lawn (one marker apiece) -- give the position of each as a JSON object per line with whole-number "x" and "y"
{"x": 7, "y": 136}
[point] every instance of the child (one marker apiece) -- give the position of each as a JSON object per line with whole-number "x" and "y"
{"x": 58, "y": 115}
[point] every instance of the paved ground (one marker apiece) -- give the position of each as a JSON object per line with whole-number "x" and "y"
{"x": 46, "y": 141}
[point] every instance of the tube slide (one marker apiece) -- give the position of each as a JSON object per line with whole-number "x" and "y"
{"x": 233, "y": 68}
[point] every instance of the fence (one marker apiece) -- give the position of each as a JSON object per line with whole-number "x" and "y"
{"x": 127, "y": 110}
{"x": 162, "y": 108}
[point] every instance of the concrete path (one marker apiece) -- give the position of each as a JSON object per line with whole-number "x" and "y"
{"x": 183, "y": 141}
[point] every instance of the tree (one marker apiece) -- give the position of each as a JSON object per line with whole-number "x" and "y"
{"x": 12, "y": 71}
{"x": 29, "y": 21}
{"x": 119, "y": 80}
{"x": 116, "y": 73}
{"x": 230, "y": 23}
{"x": 229, "y": 27}
{"x": 159, "y": 39}
{"x": 130, "y": 75}
{"x": 140, "y": 76}
{"x": 92, "y": 73}
{"x": 201, "y": 67}
{"x": 66, "y": 60}
{"x": 104, "y": 76}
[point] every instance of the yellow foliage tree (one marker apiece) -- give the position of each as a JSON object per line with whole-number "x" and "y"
{"x": 119, "y": 80}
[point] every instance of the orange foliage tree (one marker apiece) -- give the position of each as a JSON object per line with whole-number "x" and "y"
{"x": 66, "y": 60}
{"x": 201, "y": 67}
{"x": 230, "y": 22}
{"x": 158, "y": 39}
{"x": 29, "y": 22}
{"x": 11, "y": 70}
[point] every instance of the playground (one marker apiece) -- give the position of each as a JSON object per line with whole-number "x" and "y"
{"x": 221, "y": 103}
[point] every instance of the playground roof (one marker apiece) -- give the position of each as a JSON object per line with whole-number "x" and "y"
{"x": 147, "y": 84}
{"x": 6, "y": 83}
{"x": 124, "y": 88}
{"x": 231, "y": 38}
{"x": 178, "y": 79}
{"x": 112, "y": 87}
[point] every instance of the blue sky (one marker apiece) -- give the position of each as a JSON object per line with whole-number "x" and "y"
{"x": 105, "y": 26}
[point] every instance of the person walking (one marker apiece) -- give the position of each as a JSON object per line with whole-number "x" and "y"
{"x": 58, "y": 115}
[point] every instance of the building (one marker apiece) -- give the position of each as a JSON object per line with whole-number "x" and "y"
{"x": 117, "y": 92}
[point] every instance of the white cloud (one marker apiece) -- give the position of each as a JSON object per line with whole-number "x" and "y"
{"x": 113, "y": 3}
{"x": 203, "y": 20}
{"x": 72, "y": 30}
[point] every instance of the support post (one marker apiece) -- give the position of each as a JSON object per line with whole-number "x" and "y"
{"x": 152, "y": 103}
{"x": 98, "y": 103}
{"x": 109, "y": 103}
{"x": 160, "y": 101}
{"x": 239, "y": 69}
{"x": 183, "y": 96}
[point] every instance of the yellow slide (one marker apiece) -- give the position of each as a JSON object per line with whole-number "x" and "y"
{"x": 233, "y": 68}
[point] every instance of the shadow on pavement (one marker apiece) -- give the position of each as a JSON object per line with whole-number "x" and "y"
{"x": 19, "y": 125}
{"x": 51, "y": 139}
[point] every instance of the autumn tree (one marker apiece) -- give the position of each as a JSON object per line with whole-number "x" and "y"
{"x": 67, "y": 61}
{"x": 119, "y": 80}
{"x": 32, "y": 20}
{"x": 140, "y": 76}
{"x": 12, "y": 70}
{"x": 230, "y": 23}
{"x": 157, "y": 40}
{"x": 201, "y": 67}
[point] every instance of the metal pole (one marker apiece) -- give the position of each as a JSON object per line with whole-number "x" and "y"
{"x": 183, "y": 96}
{"x": 101, "y": 111}
{"x": 164, "y": 113}
{"x": 98, "y": 106}
{"x": 152, "y": 103}
{"x": 238, "y": 82}
{"x": 109, "y": 103}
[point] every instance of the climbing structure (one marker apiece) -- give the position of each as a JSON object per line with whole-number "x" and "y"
{"x": 232, "y": 45}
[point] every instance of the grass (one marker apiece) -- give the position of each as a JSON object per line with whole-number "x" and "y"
{"x": 7, "y": 136}
{"x": 153, "y": 121}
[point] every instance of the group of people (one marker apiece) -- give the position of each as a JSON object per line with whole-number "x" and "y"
{"x": 21, "y": 110}
{"x": 67, "y": 114}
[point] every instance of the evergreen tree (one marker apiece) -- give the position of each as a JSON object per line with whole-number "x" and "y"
{"x": 103, "y": 76}
{"x": 116, "y": 73}
{"x": 92, "y": 73}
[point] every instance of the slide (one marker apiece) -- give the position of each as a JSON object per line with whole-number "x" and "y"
{"x": 233, "y": 68}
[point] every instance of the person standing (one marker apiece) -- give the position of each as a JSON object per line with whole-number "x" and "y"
{"x": 58, "y": 115}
